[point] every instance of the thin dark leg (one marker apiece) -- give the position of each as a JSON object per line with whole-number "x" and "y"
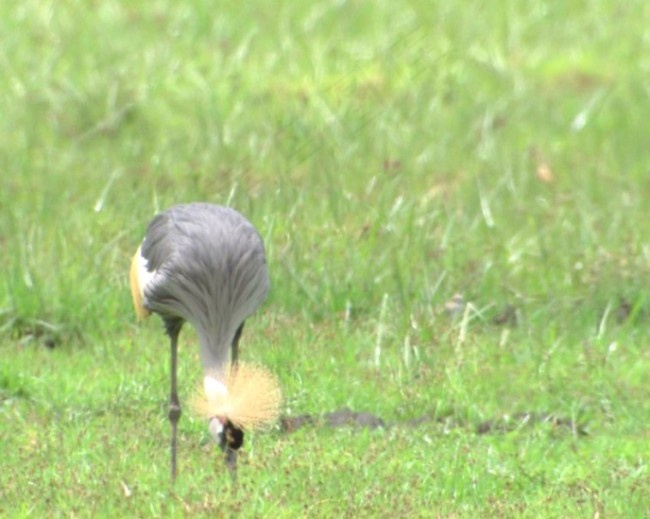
{"x": 231, "y": 463}
{"x": 173, "y": 329}
{"x": 231, "y": 454}
{"x": 234, "y": 348}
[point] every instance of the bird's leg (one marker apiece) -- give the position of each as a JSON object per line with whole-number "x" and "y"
{"x": 234, "y": 349}
{"x": 231, "y": 454}
{"x": 173, "y": 329}
{"x": 231, "y": 463}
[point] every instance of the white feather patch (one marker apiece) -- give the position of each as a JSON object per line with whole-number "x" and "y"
{"x": 144, "y": 275}
{"x": 213, "y": 388}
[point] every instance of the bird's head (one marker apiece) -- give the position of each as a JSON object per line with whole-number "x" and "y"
{"x": 225, "y": 433}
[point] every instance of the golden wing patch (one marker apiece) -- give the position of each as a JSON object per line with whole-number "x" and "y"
{"x": 136, "y": 290}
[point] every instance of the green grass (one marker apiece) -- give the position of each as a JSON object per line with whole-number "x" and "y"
{"x": 392, "y": 154}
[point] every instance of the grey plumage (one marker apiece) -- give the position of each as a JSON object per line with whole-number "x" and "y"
{"x": 204, "y": 264}
{"x": 210, "y": 271}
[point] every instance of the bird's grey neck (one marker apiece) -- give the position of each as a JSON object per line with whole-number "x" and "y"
{"x": 215, "y": 344}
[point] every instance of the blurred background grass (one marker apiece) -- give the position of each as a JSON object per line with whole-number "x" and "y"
{"x": 392, "y": 154}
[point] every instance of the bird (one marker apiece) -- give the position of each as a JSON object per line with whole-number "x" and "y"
{"x": 203, "y": 264}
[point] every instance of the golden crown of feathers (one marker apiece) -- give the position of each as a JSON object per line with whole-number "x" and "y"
{"x": 252, "y": 400}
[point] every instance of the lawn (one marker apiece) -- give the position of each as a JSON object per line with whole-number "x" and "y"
{"x": 454, "y": 199}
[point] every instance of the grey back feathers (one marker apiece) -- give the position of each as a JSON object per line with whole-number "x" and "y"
{"x": 209, "y": 269}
